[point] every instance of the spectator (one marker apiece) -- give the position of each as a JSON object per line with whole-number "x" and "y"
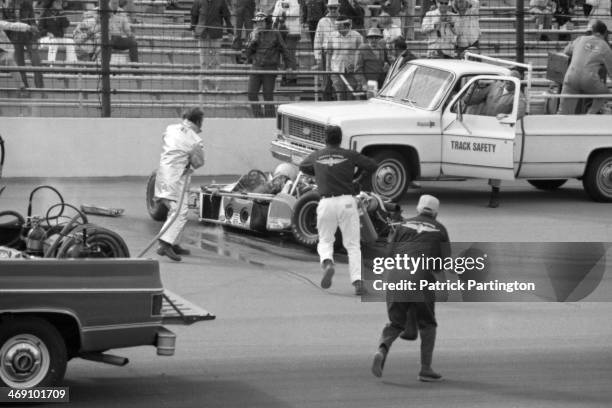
{"x": 86, "y": 36}
{"x": 390, "y": 30}
{"x": 439, "y": 25}
{"x": 341, "y": 55}
{"x": 287, "y": 19}
{"x": 588, "y": 53}
{"x": 120, "y": 31}
{"x": 312, "y": 12}
{"x": 427, "y": 5}
{"x": 325, "y": 28}
{"x": 563, "y": 17}
{"x": 402, "y": 56}
{"x": 353, "y": 10}
{"x": 372, "y": 61}
{"x": 394, "y": 9}
{"x": 542, "y": 10}
{"x": 207, "y": 17}
{"x": 263, "y": 50}
{"x": 266, "y": 6}
{"x": 53, "y": 23}
{"x": 467, "y": 25}
{"x": 24, "y": 41}
{"x": 600, "y": 11}
{"x": 245, "y": 11}
{"x": 7, "y": 51}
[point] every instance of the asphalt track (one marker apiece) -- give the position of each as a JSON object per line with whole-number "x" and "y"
{"x": 281, "y": 341}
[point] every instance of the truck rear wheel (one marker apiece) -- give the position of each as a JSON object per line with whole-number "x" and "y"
{"x": 391, "y": 178}
{"x": 155, "y": 208}
{"x": 304, "y": 220}
{"x": 32, "y": 353}
{"x": 597, "y": 180}
{"x": 548, "y": 185}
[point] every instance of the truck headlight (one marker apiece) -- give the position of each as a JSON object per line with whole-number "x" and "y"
{"x": 279, "y": 121}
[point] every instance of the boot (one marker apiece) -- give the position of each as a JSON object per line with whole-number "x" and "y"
{"x": 165, "y": 249}
{"x": 428, "y": 341}
{"x": 494, "y": 197}
{"x": 180, "y": 250}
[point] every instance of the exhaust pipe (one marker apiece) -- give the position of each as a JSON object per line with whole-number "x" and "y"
{"x": 105, "y": 358}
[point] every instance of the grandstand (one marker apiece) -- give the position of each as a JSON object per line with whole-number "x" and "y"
{"x": 168, "y": 76}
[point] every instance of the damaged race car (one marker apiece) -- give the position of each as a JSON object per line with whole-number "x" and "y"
{"x": 284, "y": 201}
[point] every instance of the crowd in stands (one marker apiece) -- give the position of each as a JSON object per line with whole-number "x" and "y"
{"x": 358, "y": 41}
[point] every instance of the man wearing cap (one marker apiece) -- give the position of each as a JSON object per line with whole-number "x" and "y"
{"x": 182, "y": 152}
{"x": 412, "y": 312}
{"x": 325, "y": 27}
{"x": 334, "y": 171}
{"x": 439, "y": 25}
{"x": 340, "y": 50}
{"x": 372, "y": 60}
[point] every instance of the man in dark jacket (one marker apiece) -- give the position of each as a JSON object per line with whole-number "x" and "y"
{"x": 245, "y": 11}
{"x": 421, "y": 236}
{"x": 312, "y": 12}
{"x": 23, "y": 11}
{"x": 207, "y": 18}
{"x": 334, "y": 171}
{"x": 264, "y": 49}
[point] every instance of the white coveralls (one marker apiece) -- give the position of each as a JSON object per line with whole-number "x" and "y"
{"x": 182, "y": 149}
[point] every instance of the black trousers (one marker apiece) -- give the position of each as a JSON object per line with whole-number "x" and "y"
{"x": 32, "y": 49}
{"x": 267, "y": 83}
{"x": 125, "y": 43}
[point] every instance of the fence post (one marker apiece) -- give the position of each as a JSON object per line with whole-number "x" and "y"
{"x": 105, "y": 59}
{"x": 520, "y": 30}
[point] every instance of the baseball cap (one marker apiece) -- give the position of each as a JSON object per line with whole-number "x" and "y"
{"x": 428, "y": 204}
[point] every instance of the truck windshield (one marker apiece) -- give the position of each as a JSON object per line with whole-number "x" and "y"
{"x": 418, "y": 86}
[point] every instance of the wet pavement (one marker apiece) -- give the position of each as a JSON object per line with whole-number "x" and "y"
{"x": 279, "y": 340}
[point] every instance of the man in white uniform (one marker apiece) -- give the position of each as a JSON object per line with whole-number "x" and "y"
{"x": 182, "y": 152}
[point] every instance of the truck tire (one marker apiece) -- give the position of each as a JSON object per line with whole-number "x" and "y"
{"x": 155, "y": 208}
{"x": 392, "y": 177}
{"x": 597, "y": 180}
{"x": 304, "y": 220}
{"x": 32, "y": 353}
{"x": 547, "y": 185}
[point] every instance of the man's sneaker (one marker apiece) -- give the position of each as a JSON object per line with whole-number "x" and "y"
{"x": 379, "y": 362}
{"x": 180, "y": 250}
{"x": 359, "y": 288}
{"x": 328, "y": 273}
{"x": 166, "y": 250}
{"x": 429, "y": 376}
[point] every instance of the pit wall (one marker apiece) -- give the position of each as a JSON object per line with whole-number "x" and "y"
{"x": 113, "y": 147}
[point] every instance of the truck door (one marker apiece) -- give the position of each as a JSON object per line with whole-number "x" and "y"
{"x": 478, "y": 128}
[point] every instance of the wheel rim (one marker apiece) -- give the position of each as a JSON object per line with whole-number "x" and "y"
{"x": 604, "y": 177}
{"x": 389, "y": 178}
{"x": 308, "y": 219}
{"x": 24, "y": 362}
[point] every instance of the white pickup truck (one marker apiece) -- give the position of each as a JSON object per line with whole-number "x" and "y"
{"x": 420, "y": 126}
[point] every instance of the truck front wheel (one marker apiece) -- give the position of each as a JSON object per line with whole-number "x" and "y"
{"x": 392, "y": 176}
{"x": 547, "y": 185}
{"x": 32, "y": 353}
{"x": 155, "y": 208}
{"x": 597, "y": 180}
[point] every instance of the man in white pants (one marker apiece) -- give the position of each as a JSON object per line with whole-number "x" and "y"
{"x": 334, "y": 171}
{"x": 182, "y": 151}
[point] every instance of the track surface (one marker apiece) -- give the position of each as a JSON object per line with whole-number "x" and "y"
{"x": 281, "y": 341}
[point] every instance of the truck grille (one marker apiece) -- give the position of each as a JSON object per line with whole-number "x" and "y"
{"x": 304, "y": 130}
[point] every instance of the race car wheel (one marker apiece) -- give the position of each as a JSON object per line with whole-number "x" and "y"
{"x": 392, "y": 176}
{"x": 304, "y": 219}
{"x": 547, "y": 185}
{"x": 597, "y": 180}
{"x": 32, "y": 353}
{"x": 155, "y": 208}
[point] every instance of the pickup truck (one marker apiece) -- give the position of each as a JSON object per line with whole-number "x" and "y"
{"x": 53, "y": 310}
{"x": 420, "y": 126}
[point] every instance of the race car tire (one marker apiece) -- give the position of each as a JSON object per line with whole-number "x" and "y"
{"x": 155, "y": 208}
{"x": 597, "y": 180}
{"x": 392, "y": 176}
{"x": 32, "y": 353}
{"x": 101, "y": 243}
{"x": 547, "y": 185}
{"x": 304, "y": 220}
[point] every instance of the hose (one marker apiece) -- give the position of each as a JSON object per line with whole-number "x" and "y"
{"x": 79, "y": 213}
{"x": 41, "y": 188}
{"x": 185, "y": 174}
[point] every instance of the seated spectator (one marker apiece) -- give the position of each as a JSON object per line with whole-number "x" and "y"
{"x": 439, "y": 25}
{"x": 341, "y": 56}
{"x": 24, "y": 41}
{"x": 372, "y": 61}
{"x": 86, "y": 36}
{"x": 120, "y": 31}
{"x": 402, "y": 56}
{"x": 467, "y": 25}
{"x": 7, "y": 51}
{"x": 588, "y": 53}
{"x": 52, "y": 26}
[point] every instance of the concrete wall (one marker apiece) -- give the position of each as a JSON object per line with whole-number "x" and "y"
{"x": 109, "y": 147}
